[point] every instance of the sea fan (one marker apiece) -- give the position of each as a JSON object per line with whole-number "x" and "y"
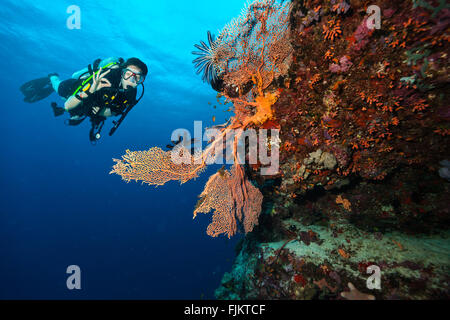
{"x": 206, "y": 62}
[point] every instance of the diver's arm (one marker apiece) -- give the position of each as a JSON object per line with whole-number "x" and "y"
{"x": 98, "y": 82}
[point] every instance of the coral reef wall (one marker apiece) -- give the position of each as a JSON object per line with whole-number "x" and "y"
{"x": 364, "y": 126}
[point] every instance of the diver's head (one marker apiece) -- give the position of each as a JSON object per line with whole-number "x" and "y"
{"x": 134, "y": 72}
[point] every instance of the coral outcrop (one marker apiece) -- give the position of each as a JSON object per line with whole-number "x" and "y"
{"x": 364, "y": 128}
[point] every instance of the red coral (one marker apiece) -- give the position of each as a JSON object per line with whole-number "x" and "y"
{"x": 298, "y": 278}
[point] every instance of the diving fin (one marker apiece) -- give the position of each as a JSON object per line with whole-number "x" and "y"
{"x": 36, "y": 90}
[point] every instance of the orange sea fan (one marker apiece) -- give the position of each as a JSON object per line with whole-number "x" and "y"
{"x": 232, "y": 198}
{"x": 155, "y": 167}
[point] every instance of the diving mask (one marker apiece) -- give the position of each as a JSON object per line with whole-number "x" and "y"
{"x": 136, "y": 77}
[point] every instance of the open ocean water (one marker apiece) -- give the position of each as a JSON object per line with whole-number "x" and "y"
{"x": 59, "y": 206}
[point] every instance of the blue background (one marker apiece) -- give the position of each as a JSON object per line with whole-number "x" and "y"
{"x": 58, "y": 204}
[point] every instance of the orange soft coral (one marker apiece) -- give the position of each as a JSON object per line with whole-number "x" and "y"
{"x": 263, "y": 109}
{"x": 332, "y": 29}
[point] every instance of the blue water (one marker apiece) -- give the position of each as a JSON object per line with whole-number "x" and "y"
{"x": 58, "y": 204}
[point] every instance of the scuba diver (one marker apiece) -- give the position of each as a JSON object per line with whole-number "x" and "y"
{"x": 106, "y": 88}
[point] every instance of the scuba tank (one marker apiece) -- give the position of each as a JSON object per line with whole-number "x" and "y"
{"x": 84, "y": 73}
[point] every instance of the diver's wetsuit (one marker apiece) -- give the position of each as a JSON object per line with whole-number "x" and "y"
{"x": 114, "y": 98}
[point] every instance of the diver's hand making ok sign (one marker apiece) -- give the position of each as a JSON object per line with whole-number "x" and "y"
{"x": 98, "y": 81}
